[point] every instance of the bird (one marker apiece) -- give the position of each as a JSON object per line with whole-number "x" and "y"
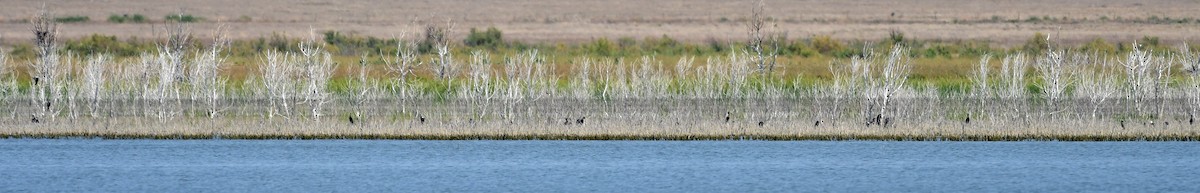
{"x": 34, "y": 120}
{"x": 968, "y": 120}
{"x": 1191, "y": 120}
{"x": 726, "y": 116}
{"x": 817, "y": 124}
{"x": 876, "y": 120}
{"x": 1122, "y": 124}
{"x": 351, "y": 119}
{"x": 566, "y": 121}
{"x": 421, "y": 118}
{"x": 761, "y": 123}
{"x": 580, "y": 120}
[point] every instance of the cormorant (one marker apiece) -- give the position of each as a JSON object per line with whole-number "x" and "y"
{"x": 566, "y": 121}
{"x": 421, "y": 118}
{"x": 351, "y": 119}
{"x": 580, "y": 120}
{"x": 761, "y": 123}
{"x": 817, "y": 124}
{"x": 726, "y": 116}
{"x": 34, "y": 119}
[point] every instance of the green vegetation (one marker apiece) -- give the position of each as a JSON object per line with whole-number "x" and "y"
{"x": 183, "y": 18}
{"x": 492, "y": 38}
{"x": 72, "y": 19}
{"x": 126, "y": 18}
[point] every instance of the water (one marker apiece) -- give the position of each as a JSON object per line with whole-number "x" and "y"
{"x": 595, "y": 166}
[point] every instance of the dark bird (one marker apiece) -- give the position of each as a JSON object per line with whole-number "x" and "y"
{"x": 761, "y": 123}
{"x": 1122, "y": 124}
{"x": 968, "y": 120}
{"x": 34, "y": 120}
{"x": 580, "y": 120}
{"x": 726, "y": 116}
{"x": 566, "y": 121}
{"x": 876, "y": 120}
{"x": 887, "y": 122}
{"x": 1191, "y": 120}
{"x": 817, "y": 124}
{"x": 421, "y": 118}
{"x": 35, "y": 80}
{"x": 351, "y": 119}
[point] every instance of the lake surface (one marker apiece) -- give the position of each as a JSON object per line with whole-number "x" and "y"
{"x": 594, "y": 166}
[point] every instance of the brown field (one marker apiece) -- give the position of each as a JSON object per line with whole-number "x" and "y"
{"x": 689, "y": 20}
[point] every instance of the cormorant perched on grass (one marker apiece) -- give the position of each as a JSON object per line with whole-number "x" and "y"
{"x": 566, "y": 121}
{"x": 726, "y": 116}
{"x": 968, "y": 120}
{"x": 1122, "y": 124}
{"x": 1191, "y": 119}
{"x": 421, "y": 118}
{"x": 761, "y": 123}
{"x": 351, "y": 119}
{"x": 34, "y": 119}
{"x": 817, "y": 124}
{"x": 580, "y": 120}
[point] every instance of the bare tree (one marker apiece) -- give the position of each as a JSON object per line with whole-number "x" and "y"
{"x": 438, "y": 37}
{"x": 318, "y": 68}
{"x": 981, "y": 80}
{"x": 1012, "y": 84}
{"x": 207, "y": 86}
{"x": 1056, "y": 76}
{"x": 1191, "y": 65}
{"x": 763, "y": 42}
{"x": 1139, "y": 83}
{"x": 46, "y": 73}
{"x": 7, "y": 86}
{"x": 93, "y": 88}
{"x": 278, "y": 82}
{"x": 179, "y": 37}
{"x": 893, "y": 77}
{"x": 1097, "y": 86}
{"x": 402, "y": 64}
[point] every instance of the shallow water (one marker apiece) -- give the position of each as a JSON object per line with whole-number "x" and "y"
{"x": 594, "y": 166}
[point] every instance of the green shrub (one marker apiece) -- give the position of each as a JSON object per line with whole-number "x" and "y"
{"x": 96, "y": 43}
{"x": 1036, "y": 44}
{"x": 183, "y": 18}
{"x": 72, "y": 19}
{"x": 601, "y": 47}
{"x": 663, "y": 45}
{"x": 123, "y": 18}
{"x": 491, "y": 38}
{"x": 1098, "y": 45}
{"x": 827, "y": 45}
{"x": 351, "y": 45}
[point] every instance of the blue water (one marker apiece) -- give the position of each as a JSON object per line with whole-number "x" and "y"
{"x": 595, "y": 166}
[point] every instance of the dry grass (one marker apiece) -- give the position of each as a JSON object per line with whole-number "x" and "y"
{"x": 693, "y": 21}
